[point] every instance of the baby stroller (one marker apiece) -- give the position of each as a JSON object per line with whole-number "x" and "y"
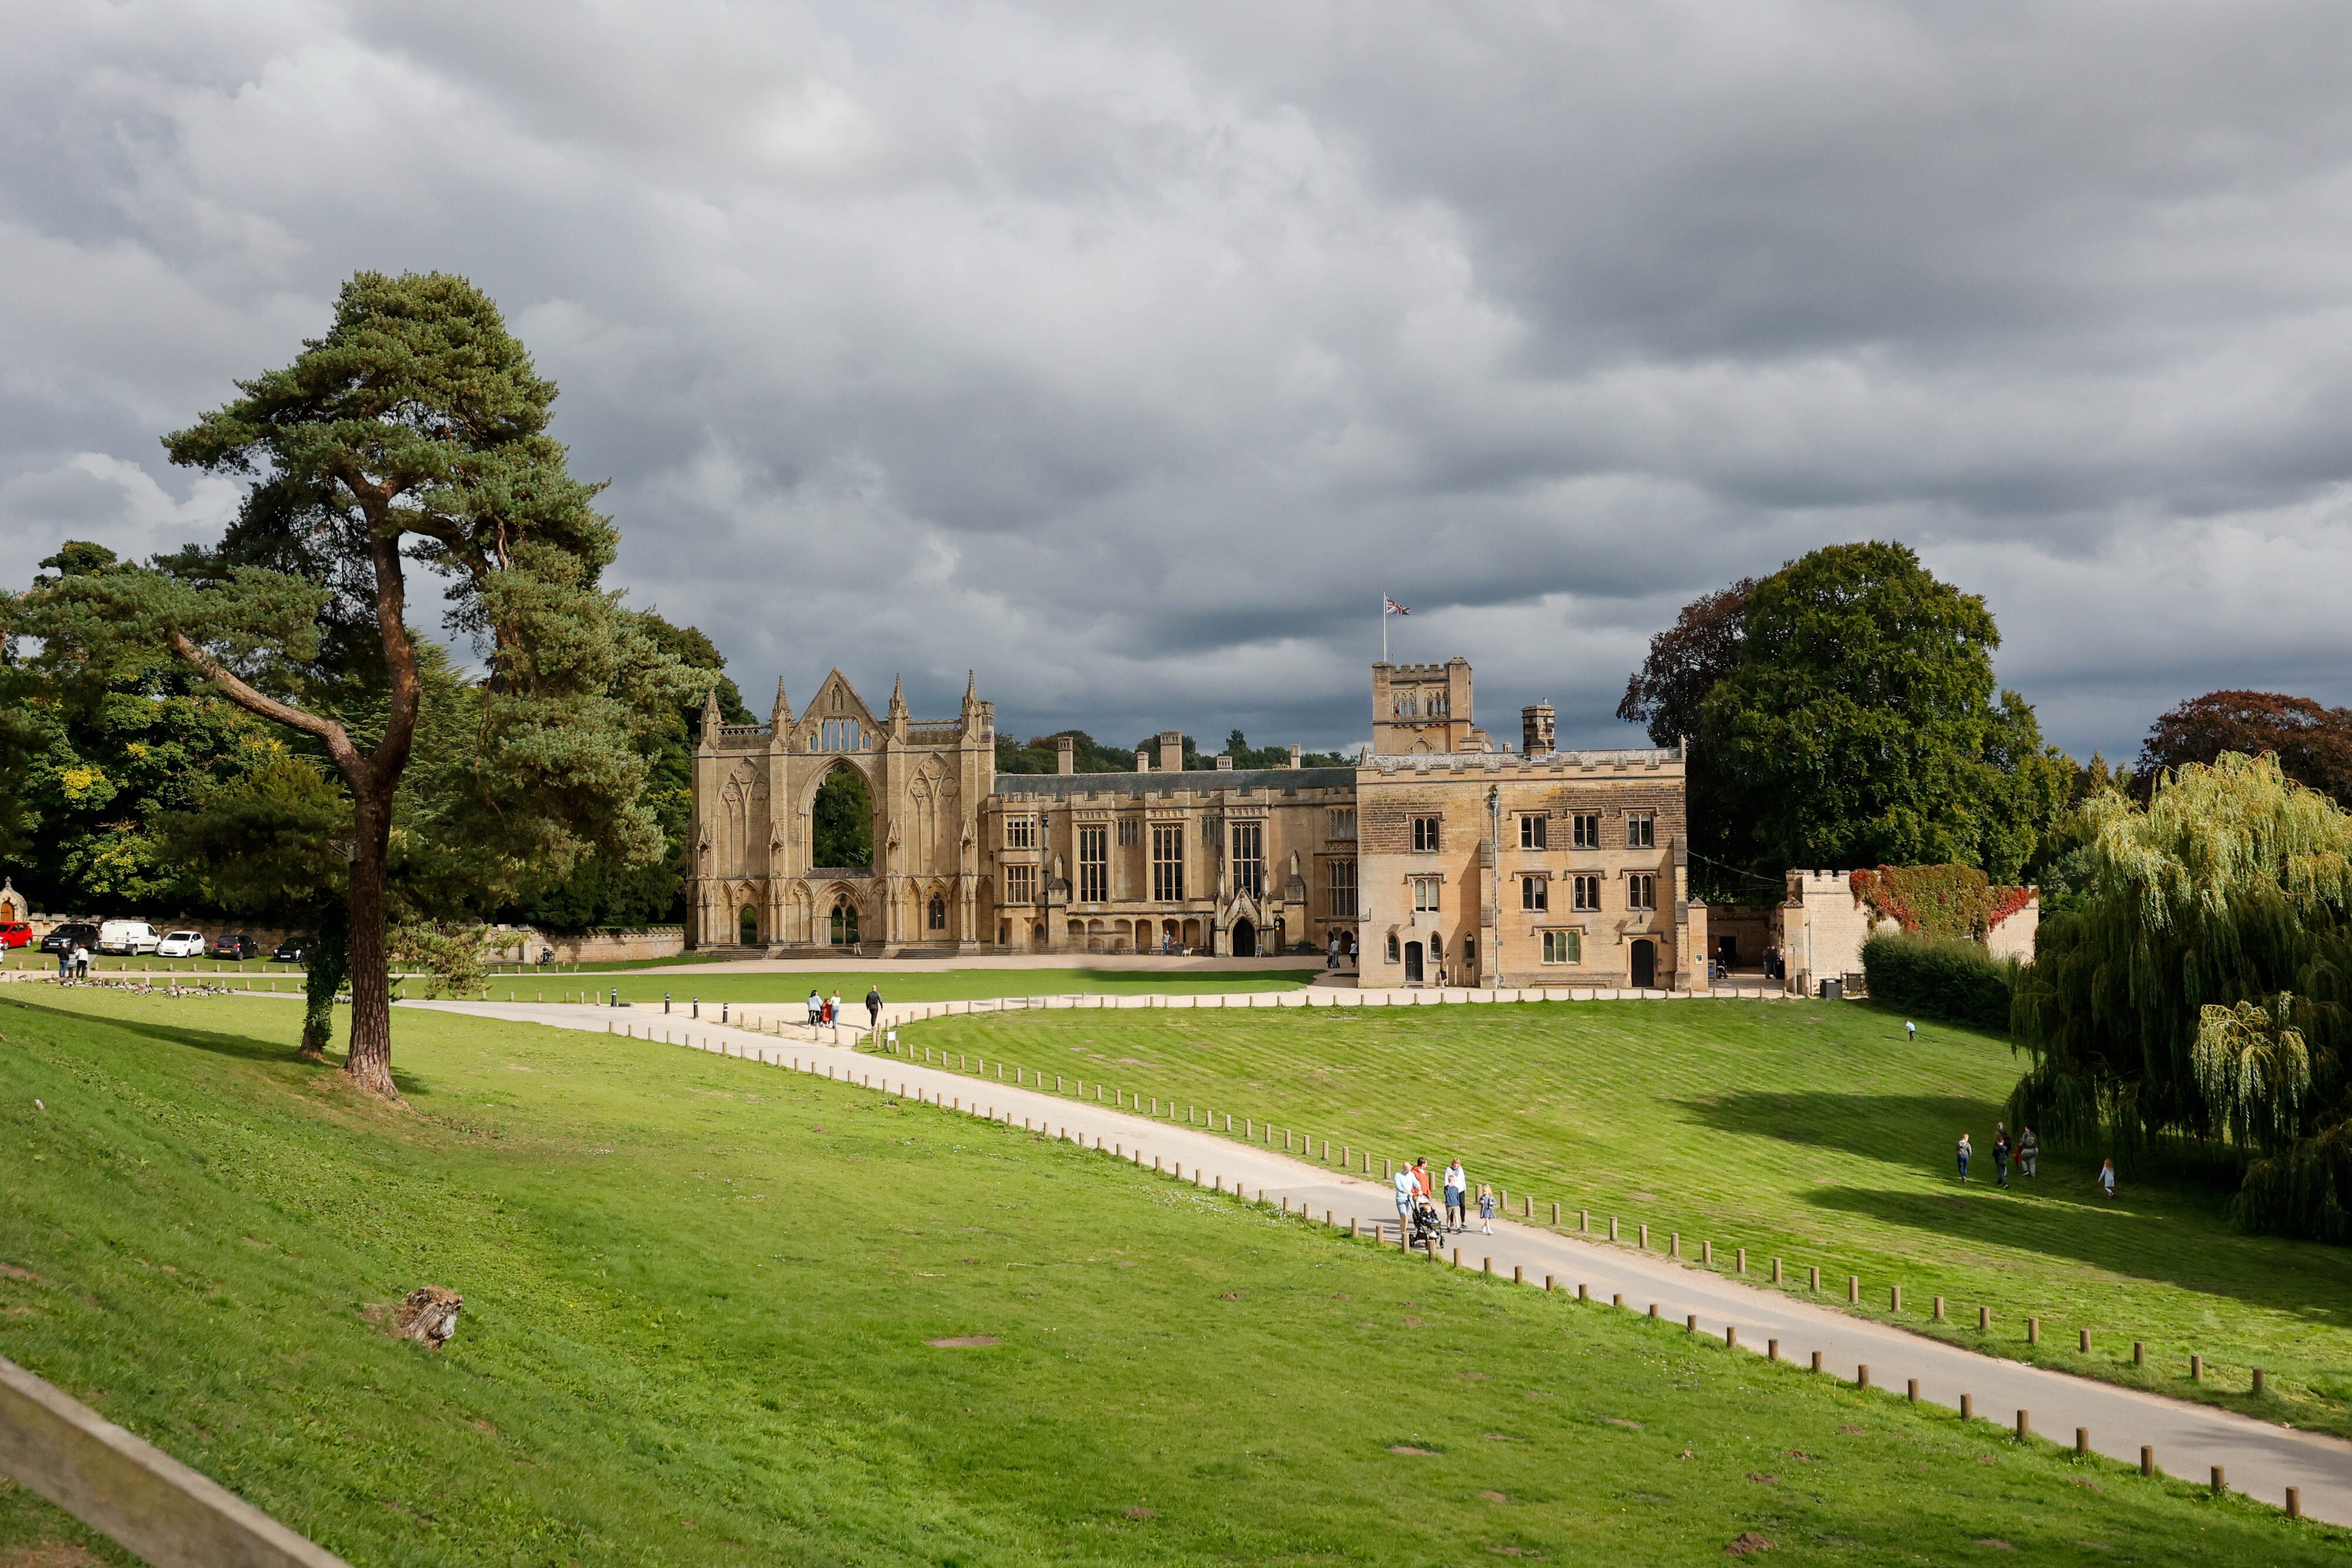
{"x": 1426, "y": 1225}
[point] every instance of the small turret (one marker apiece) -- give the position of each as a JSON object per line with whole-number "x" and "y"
{"x": 710, "y": 717}
{"x": 781, "y": 716}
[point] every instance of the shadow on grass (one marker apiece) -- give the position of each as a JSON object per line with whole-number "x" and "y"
{"x": 2174, "y": 1232}
{"x": 213, "y": 1043}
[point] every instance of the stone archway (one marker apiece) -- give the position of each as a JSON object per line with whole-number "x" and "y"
{"x": 841, "y": 922}
{"x": 1243, "y": 938}
{"x": 842, "y": 820}
{"x": 1646, "y": 965}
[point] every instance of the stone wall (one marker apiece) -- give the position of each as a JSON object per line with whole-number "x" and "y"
{"x": 521, "y": 945}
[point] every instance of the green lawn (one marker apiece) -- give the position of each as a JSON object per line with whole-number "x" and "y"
{"x": 1810, "y": 1131}
{"x": 699, "y": 1293}
{"x": 784, "y": 989}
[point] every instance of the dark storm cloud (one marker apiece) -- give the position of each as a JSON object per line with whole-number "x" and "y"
{"x": 1131, "y": 357}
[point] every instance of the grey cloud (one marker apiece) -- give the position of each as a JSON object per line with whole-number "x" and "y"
{"x": 1130, "y": 357}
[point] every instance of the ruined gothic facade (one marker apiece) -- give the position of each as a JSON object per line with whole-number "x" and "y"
{"x": 1439, "y": 856}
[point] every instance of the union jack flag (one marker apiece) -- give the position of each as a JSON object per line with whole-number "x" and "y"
{"x": 1395, "y": 608}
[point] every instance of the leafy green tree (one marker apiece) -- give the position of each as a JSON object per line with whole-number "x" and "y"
{"x": 841, "y": 821}
{"x": 1686, "y": 661}
{"x": 415, "y": 429}
{"x": 2201, "y": 990}
{"x": 1859, "y": 725}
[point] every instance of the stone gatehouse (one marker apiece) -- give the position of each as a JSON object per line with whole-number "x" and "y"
{"x": 1438, "y": 857}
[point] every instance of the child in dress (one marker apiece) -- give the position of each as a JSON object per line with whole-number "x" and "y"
{"x": 1485, "y": 1210}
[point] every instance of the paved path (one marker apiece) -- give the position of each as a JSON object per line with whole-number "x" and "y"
{"x": 2260, "y": 1460}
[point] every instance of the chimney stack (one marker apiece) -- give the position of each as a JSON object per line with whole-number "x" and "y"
{"x": 1171, "y": 751}
{"x": 1535, "y": 725}
{"x": 1294, "y": 757}
{"x": 1224, "y": 761}
{"x": 1066, "y": 754}
{"x": 1143, "y": 762}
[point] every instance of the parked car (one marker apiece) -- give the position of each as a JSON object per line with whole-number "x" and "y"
{"x": 15, "y": 933}
{"x": 181, "y": 945}
{"x": 292, "y": 950}
{"x": 239, "y": 948}
{"x": 64, "y": 938}
{"x": 127, "y": 938}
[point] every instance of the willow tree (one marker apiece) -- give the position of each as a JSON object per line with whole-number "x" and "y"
{"x": 416, "y": 430}
{"x": 2200, "y": 992}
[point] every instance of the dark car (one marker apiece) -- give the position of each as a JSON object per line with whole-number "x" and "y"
{"x": 293, "y": 950}
{"x": 239, "y": 948}
{"x": 64, "y": 938}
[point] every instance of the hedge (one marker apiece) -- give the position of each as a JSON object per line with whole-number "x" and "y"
{"x": 1954, "y": 980}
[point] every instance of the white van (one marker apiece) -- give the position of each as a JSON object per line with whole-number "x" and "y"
{"x": 128, "y": 937}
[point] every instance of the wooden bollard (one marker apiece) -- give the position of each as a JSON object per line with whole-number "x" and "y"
{"x": 1854, "y": 1290}
{"x": 2147, "y": 1460}
{"x": 2140, "y": 1352}
{"x": 1776, "y": 1271}
{"x": 1548, "y": 1283}
{"x": 1817, "y": 1361}
{"x": 1861, "y": 1375}
{"x": 1674, "y": 1244}
{"x": 1645, "y": 1239}
{"x": 2083, "y": 1341}
{"x": 1706, "y": 1254}
{"x": 1457, "y": 1257}
{"x": 1690, "y": 1324}
{"x": 2196, "y": 1369}
{"x": 2258, "y": 1383}
{"x": 1613, "y": 1227}
{"x": 2024, "y": 1423}
{"x": 2294, "y": 1503}
{"x": 1582, "y": 1293}
{"x": 1912, "y": 1392}
{"x": 1617, "y": 1297}
{"x": 1894, "y": 1298}
{"x": 2034, "y": 1330}
{"x": 1555, "y": 1216}
{"x": 1584, "y": 1220}
{"x": 1967, "y": 1406}
{"x": 2220, "y": 1479}
{"x": 1940, "y": 1309}
{"x": 1518, "y": 1275}
{"x": 1814, "y": 1277}
{"x": 1486, "y": 1266}
{"x": 2082, "y": 1442}
{"x": 1352, "y": 1230}
{"x": 1771, "y": 1350}
{"x": 1984, "y": 1319}
{"x": 1739, "y": 1260}
{"x": 1731, "y": 1336}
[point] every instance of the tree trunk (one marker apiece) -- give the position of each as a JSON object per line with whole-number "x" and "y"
{"x": 369, "y": 1063}
{"x": 329, "y": 967}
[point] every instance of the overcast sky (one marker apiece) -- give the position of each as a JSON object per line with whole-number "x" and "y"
{"x": 1131, "y": 355}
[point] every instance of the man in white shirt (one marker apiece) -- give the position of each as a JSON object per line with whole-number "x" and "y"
{"x": 1457, "y": 1196}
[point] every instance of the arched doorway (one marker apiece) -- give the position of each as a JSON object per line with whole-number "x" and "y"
{"x": 841, "y": 822}
{"x": 747, "y": 927}
{"x": 1244, "y": 936}
{"x": 841, "y": 929}
{"x": 1412, "y": 964}
{"x": 1646, "y": 965}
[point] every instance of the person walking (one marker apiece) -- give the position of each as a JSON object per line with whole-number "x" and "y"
{"x": 1332, "y": 961}
{"x": 81, "y": 962}
{"x": 1458, "y": 1193}
{"x": 833, "y": 1007}
{"x": 2107, "y": 1177}
{"x": 1421, "y": 1181}
{"x": 873, "y": 1006}
{"x": 1964, "y": 1152}
{"x": 816, "y": 1007}
{"x": 1910, "y": 1031}
{"x": 1485, "y": 1210}
{"x": 1999, "y": 1155}
{"x": 65, "y": 963}
{"x": 1407, "y": 1189}
{"x": 2029, "y": 1152}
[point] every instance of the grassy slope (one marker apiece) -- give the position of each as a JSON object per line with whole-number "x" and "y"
{"x": 1811, "y": 1131}
{"x": 697, "y": 1291}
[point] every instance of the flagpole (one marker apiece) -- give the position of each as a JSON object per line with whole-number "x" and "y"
{"x": 1384, "y": 628}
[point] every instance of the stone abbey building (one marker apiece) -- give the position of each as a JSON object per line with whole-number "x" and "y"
{"x": 1438, "y": 858}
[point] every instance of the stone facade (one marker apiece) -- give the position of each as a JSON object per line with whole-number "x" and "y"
{"x": 1438, "y": 855}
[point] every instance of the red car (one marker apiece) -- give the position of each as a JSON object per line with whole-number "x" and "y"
{"x": 15, "y": 933}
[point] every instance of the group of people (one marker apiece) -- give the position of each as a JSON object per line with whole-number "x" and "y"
{"x": 2027, "y": 1154}
{"x": 1414, "y": 1186}
{"x": 73, "y": 963}
{"x": 824, "y": 1009}
{"x": 1331, "y": 959}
